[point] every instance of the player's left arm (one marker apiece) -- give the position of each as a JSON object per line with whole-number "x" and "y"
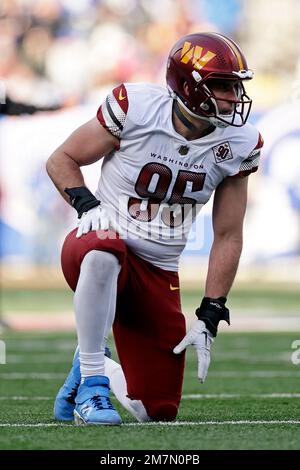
{"x": 228, "y": 215}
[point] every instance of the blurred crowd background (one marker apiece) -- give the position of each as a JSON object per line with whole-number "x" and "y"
{"x": 61, "y": 52}
{"x": 60, "y": 57}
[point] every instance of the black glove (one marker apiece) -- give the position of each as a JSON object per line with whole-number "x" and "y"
{"x": 211, "y": 311}
{"x": 82, "y": 199}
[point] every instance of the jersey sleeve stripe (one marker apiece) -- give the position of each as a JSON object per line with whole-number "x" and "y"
{"x": 106, "y": 121}
{"x": 119, "y": 114}
{"x": 112, "y": 115}
{"x": 250, "y": 165}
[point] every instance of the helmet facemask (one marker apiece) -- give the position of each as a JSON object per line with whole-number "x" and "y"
{"x": 241, "y": 107}
{"x": 208, "y": 109}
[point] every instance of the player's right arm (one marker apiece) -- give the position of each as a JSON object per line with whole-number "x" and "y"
{"x": 86, "y": 145}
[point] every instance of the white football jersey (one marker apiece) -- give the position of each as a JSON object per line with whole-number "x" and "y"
{"x": 156, "y": 182}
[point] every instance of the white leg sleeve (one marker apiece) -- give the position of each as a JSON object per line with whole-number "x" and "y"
{"x": 95, "y": 304}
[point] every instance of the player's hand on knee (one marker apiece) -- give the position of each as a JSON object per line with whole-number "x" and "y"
{"x": 202, "y": 333}
{"x": 97, "y": 218}
{"x": 92, "y": 215}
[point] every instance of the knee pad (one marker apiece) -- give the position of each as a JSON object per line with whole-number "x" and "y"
{"x": 104, "y": 260}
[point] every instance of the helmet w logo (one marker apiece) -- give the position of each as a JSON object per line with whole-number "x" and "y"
{"x": 195, "y": 55}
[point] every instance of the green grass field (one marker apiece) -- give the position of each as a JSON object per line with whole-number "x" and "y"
{"x": 251, "y": 399}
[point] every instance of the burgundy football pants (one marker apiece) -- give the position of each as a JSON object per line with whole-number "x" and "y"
{"x": 148, "y": 323}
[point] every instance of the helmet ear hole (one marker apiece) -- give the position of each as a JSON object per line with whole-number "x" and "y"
{"x": 186, "y": 89}
{"x": 183, "y": 91}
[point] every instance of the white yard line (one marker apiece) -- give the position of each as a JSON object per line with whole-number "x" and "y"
{"x": 16, "y": 398}
{"x": 160, "y": 423}
{"x": 32, "y": 376}
{"x": 198, "y": 396}
{"x": 213, "y": 423}
{"x": 39, "y": 359}
{"x": 59, "y": 358}
{"x": 35, "y": 425}
{"x": 256, "y": 373}
{"x": 263, "y": 374}
{"x": 192, "y": 396}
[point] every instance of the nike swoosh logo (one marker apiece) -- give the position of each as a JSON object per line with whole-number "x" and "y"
{"x": 173, "y": 288}
{"x": 121, "y": 97}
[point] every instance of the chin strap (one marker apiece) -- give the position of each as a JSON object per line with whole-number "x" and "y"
{"x": 213, "y": 123}
{"x": 182, "y": 117}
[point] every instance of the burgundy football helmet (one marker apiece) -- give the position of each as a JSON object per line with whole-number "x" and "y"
{"x": 198, "y": 58}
